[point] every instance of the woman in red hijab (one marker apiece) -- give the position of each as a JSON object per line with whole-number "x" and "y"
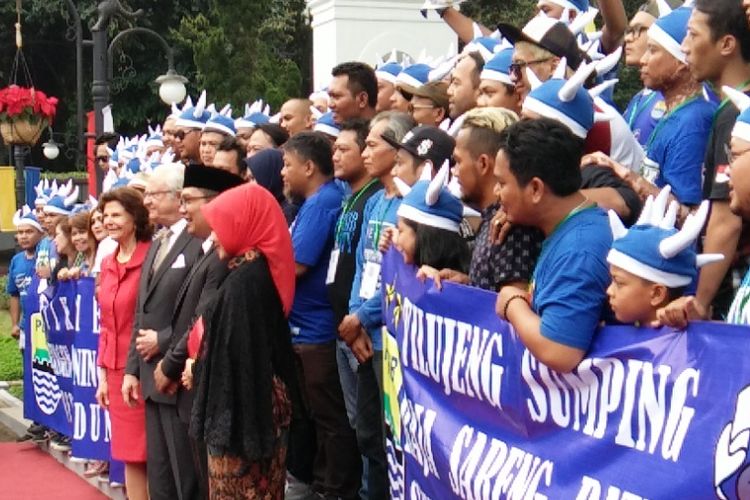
{"x": 246, "y": 383}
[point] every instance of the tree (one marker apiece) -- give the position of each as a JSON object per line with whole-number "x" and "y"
{"x": 245, "y": 51}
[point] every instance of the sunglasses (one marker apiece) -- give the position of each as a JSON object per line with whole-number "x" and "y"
{"x": 636, "y": 30}
{"x": 517, "y": 67}
{"x": 102, "y": 159}
{"x": 412, "y": 107}
{"x": 181, "y": 134}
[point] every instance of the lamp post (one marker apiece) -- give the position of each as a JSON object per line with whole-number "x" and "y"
{"x": 171, "y": 85}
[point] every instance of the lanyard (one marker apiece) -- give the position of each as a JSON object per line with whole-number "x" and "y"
{"x": 726, "y": 101}
{"x": 349, "y": 204}
{"x": 639, "y": 107}
{"x": 380, "y": 223}
{"x": 664, "y": 119}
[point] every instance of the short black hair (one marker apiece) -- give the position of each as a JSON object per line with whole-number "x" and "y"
{"x": 545, "y": 149}
{"x": 315, "y": 147}
{"x": 727, "y": 17}
{"x": 483, "y": 141}
{"x": 478, "y": 67}
{"x": 439, "y": 248}
{"x": 107, "y": 138}
{"x": 232, "y": 144}
{"x": 360, "y": 127}
{"x": 277, "y": 134}
{"x": 361, "y": 79}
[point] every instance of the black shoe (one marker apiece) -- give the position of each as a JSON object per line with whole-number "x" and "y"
{"x": 35, "y": 433}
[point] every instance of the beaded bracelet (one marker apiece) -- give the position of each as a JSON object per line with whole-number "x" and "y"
{"x": 516, "y": 296}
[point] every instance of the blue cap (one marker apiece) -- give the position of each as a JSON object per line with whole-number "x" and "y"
{"x": 414, "y": 76}
{"x": 498, "y": 68}
{"x": 389, "y": 71}
{"x": 654, "y": 250}
{"x": 221, "y": 124}
{"x": 429, "y": 202}
{"x": 26, "y": 216}
{"x": 669, "y": 32}
{"x": 327, "y": 125}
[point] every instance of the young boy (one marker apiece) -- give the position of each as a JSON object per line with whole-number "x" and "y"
{"x": 652, "y": 263}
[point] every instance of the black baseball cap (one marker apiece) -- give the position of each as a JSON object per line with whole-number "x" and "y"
{"x": 427, "y": 143}
{"x": 549, "y": 34}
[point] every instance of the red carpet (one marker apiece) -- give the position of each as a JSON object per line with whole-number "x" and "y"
{"x": 27, "y": 473}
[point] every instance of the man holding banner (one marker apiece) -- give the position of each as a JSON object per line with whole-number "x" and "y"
{"x": 538, "y": 174}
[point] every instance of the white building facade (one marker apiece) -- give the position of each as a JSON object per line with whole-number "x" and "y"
{"x": 364, "y": 30}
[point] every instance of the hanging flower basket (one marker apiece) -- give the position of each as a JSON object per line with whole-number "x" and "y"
{"x": 24, "y": 113}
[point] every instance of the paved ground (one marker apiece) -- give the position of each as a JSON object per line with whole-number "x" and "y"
{"x": 6, "y": 436}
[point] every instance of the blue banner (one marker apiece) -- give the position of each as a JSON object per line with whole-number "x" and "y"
{"x": 91, "y": 430}
{"x": 48, "y": 397}
{"x": 471, "y": 414}
{"x": 60, "y": 371}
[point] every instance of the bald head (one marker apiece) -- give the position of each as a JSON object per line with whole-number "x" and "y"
{"x": 295, "y": 116}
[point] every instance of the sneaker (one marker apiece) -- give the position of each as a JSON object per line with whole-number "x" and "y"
{"x": 60, "y": 443}
{"x": 115, "y": 484}
{"x": 35, "y": 433}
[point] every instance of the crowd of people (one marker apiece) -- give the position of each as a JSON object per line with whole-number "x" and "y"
{"x": 238, "y": 260}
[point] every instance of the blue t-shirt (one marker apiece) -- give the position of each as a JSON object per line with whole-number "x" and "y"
{"x": 46, "y": 253}
{"x": 676, "y": 150}
{"x": 380, "y": 213}
{"x": 20, "y": 273}
{"x": 644, "y": 111}
{"x": 569, "y": 287}
{"x": 311, "y": 317}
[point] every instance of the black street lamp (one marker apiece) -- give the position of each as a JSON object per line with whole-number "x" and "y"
{"x": 171, "y": 85}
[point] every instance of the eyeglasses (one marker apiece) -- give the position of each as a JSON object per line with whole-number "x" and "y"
{"x": 517, "y": 67}
{"x": 155, "y": 194}
{"x": 636, "y": 30}
{"x": 187, "y": 200}
{"x": 101, "y": 159}
{"x": 412, "y": 107}
{"x": 181, "y": 134}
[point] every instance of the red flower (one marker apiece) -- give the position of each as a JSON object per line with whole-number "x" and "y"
{"x": 15, "y": 101}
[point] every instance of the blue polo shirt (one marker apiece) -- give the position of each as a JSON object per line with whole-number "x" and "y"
{"x": 311, "y": 318}
{"x": 569, "y": 287}
{"x": 676, "y": 149}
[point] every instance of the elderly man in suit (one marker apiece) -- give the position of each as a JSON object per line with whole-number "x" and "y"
{"x": 201, "y": 185}
{"x": 171, "y": 472}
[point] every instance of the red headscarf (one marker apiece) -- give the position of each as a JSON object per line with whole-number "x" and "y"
{"x": 248, "y": 217}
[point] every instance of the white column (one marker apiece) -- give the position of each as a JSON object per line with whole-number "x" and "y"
{"x": 363, "y": 30}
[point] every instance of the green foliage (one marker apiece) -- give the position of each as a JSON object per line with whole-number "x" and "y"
{"x": 250, "y": 51}
{"x": 4, "y": 297}
{"x": 64, "y": 176}
{"x": 11, "y": 364}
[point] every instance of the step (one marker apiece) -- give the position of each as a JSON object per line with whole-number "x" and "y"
{"x": 11, "y": 416}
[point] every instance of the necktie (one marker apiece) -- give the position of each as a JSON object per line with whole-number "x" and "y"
{"x": 163, "y": 249}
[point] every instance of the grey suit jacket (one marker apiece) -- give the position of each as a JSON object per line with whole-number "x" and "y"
{"x": 156, "y": 299}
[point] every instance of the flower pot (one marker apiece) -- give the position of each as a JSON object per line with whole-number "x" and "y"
{"x": 21, "y": 131}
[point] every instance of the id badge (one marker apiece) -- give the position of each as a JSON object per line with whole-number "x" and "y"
{"x": 333, "y": 264}
{"x": 370, "y": 280}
